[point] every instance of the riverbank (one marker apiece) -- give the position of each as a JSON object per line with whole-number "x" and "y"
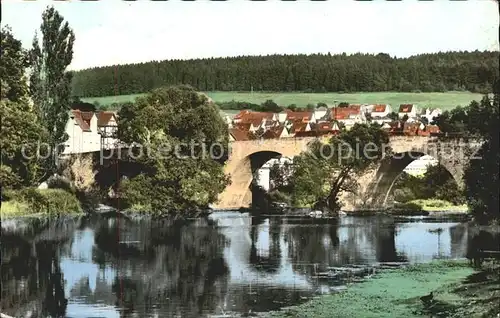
{"x": 459, "y": 291}
{"x": 435, "y": 205}
{"x": 32, "y": 202}
{"x": 408, "y": 212}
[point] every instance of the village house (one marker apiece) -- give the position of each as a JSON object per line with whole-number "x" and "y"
{"x": 255, "y": 125}
{"x": 107, "y": 127}
{"x": 83, "y": 134}
{"x": 244, "y": 127}
{"x": 299, "y": 126}
{"x": 238, "y": 135}
{"x": 303, "y": 117}
{"x": 276, "y": 132}
{"x": 380, "y": 111}
{"x": 246, "y": 116}
{"x": 428, "y": 130}
{"x": 239, "y": 117}
{"x": 318, "y": 114}
{"x": 326, "y": 128}
{"x": 282, "y": 116}
{"x": 393, "y": 128}
{"x": 412, "y": 129}
{"x": 429, "y": 114}
{"x": 348, "y": 116}
{"x": 407, "y": 109}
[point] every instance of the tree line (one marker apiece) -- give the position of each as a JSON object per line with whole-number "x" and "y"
{"x": 450, "y": 71}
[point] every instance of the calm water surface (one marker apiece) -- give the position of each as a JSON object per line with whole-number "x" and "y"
{"x": 229, "y": 264}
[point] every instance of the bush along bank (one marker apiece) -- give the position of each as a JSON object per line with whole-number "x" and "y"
{"x": 30, "y": 201}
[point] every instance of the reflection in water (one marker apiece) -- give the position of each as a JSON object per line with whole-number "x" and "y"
{"x": 230, "y": 262}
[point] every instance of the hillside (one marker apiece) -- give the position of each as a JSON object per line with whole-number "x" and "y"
{"x": 319, "y": 73}
{"x": 444, "y": 101}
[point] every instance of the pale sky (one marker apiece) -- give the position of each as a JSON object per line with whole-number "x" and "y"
{"x": 116, "y": 32}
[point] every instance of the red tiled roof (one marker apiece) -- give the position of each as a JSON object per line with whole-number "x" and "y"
{"x": 270, "y": 134}
{"x": 241, "y": 114}
{"x": 246, "y": 117}
{"x": 274, "y": 132}
{"x": 243, "y": 126}
{"x": 395, "y": 125}
{"x": 79, "y": 118}
{"x": 302, "y": 116}
{"x": 298, "y": 126}
{"x": 411, "y": 126}
{"x": 311, "y": 133}
{"x": 104, "y": 117}
{"x": 326, "y": 128}
{"x": 379, "y": 108}
{"x": 405, "y": 108}
{"x": 239, "y": 135}
{"x": 345, "y": 112}
{"x": 432, "y": 129}
{"x": 255, "y": 122}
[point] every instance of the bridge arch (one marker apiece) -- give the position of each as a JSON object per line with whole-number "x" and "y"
{"x": 248, "y": 156}
{"x": 392, "y": 168}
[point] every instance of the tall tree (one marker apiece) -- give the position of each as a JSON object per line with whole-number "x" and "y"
{"x": 50, "y": 83}
{"x": 21, "y": 130}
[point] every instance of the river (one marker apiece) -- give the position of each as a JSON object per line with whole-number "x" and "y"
{"x": 228, "y": 264}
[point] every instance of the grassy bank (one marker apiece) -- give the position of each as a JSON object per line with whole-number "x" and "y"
{"x": 444, "y": 101}
{"x": 459, "y": 291}
{"x": 32, "y": 201}
{"x": 432, "y": 205}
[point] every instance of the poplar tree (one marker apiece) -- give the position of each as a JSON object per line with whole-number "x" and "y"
{"x": 50, "y": 83}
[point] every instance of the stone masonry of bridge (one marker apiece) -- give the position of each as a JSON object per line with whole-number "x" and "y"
{"x": 374, "y": 185}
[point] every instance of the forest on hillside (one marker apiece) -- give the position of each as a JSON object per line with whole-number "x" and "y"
{"x": 318, "y": 73}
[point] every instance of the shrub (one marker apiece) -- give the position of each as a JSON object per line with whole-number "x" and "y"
{"x": 61, "y": 201}
{"x": 403, "y": 195}
{"x": 89, "y": 199}
{"x": 36, "y": 201}
{"x": 14, "y": 207}
{"x": 8, "y": 178}
{"x": 408, "y": 208}
{"x": 278, "y": 196}
{"x": 49, "y": 200}
{"x": 58, "y": 182}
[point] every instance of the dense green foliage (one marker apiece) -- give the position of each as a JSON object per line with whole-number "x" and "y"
{"x": 21, "y": 129}
{"x": 52, "y": 201}
{"x": 436, "y": 183}
{"x": 482, "y": 174}
{"x": 451, "y": 71}
{"x": 175, "y": 125}
{"x": 50, "y": 84}
{"x": 267, "y": 106}
{"x": 325, "y": 170}
{"x": 480, "y": 120}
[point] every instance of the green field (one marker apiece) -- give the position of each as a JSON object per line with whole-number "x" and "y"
{"x": 423, "y": 100}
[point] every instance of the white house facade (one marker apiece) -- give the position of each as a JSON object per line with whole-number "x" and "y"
{"x": 83, "y": 135}
{"x": 431, "y": 114}
{"x": 380, "y": 110}
{"x": 407, "y": 109}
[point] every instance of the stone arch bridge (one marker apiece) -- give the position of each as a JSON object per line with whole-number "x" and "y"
{"x": 248, "y": 156}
